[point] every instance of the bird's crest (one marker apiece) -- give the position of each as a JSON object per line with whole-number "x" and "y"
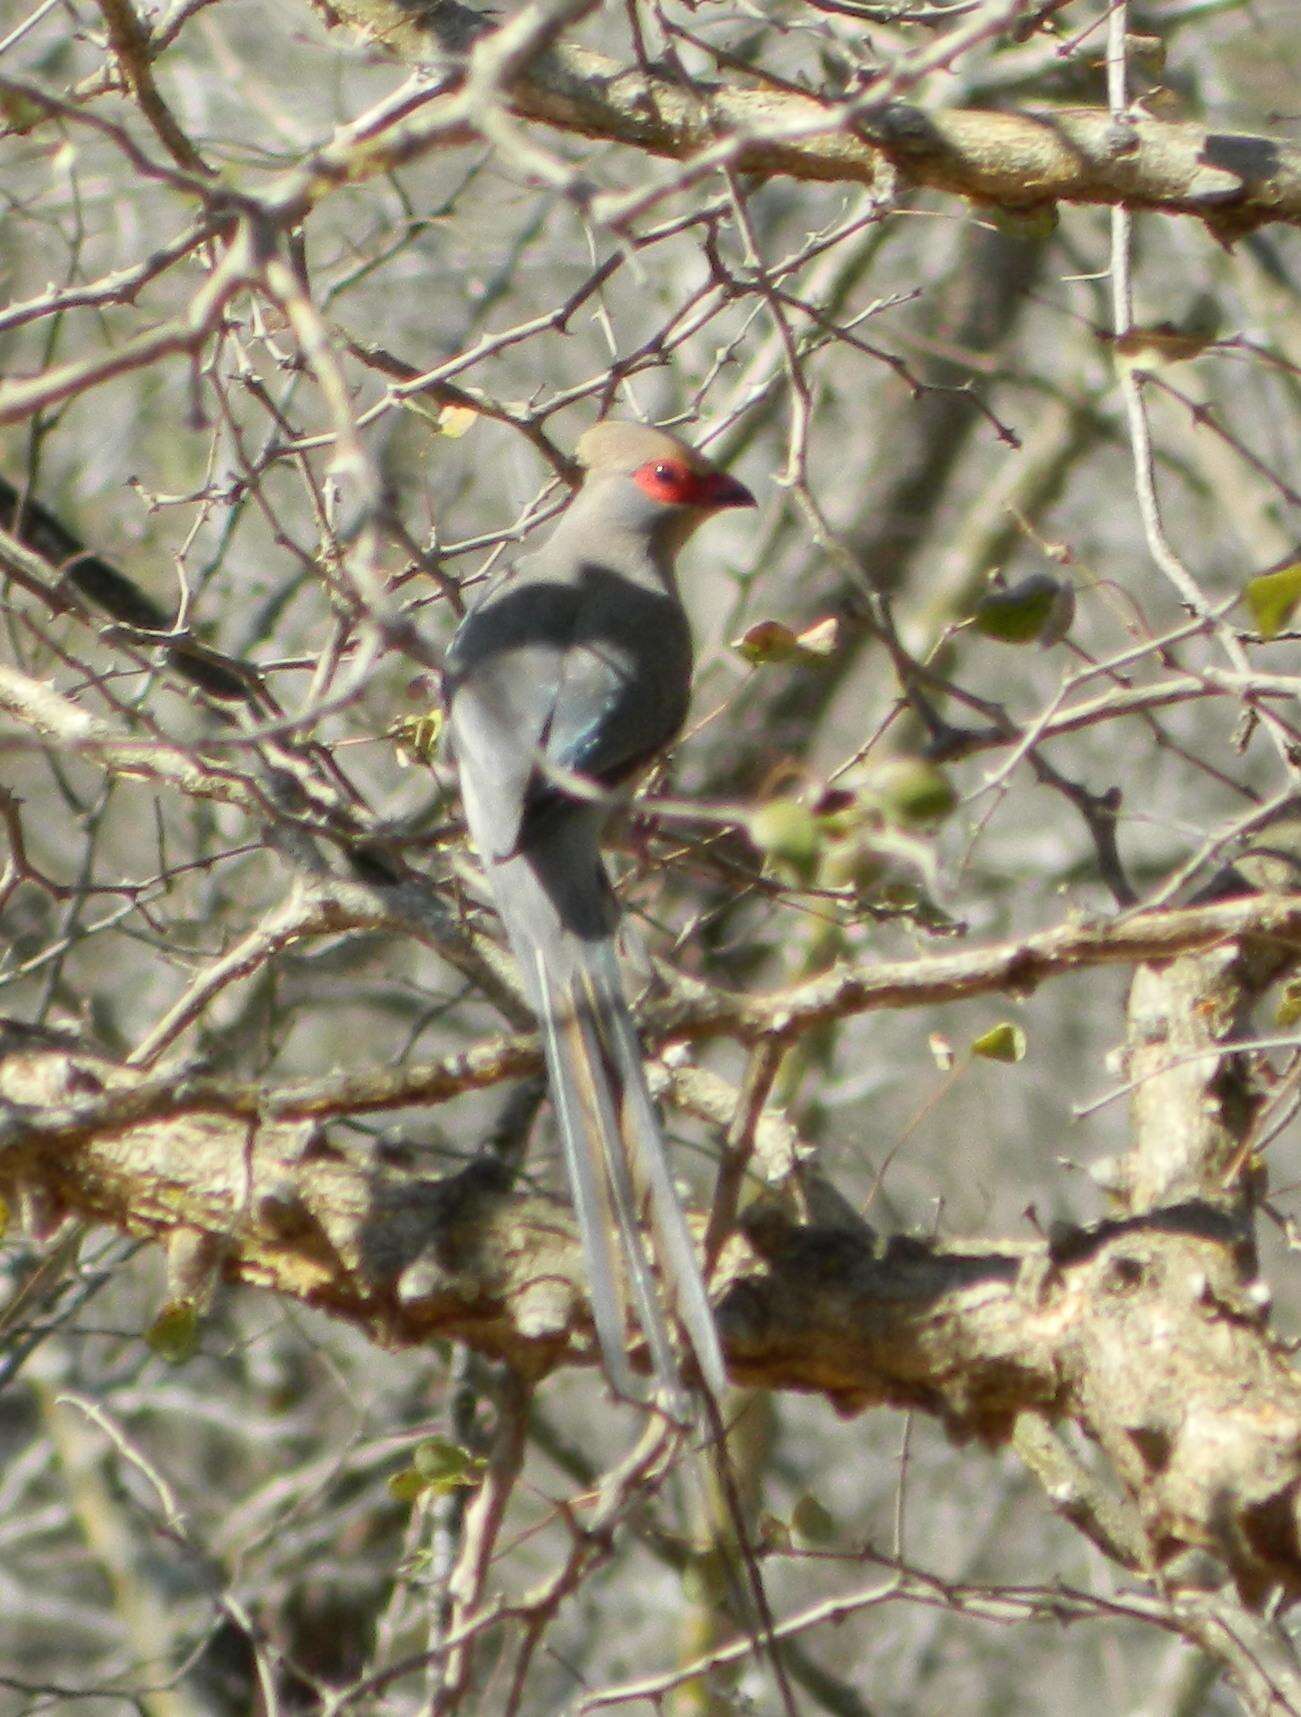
{"x": 615, "y": 445}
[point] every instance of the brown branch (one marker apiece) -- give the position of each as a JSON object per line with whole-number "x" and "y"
{"x": 1256, "y": 1652}
{"x": 1194, "y": 1101}
{"x": 1016, "y": 968}
{"x": 187, "y": 333}
{"x": 131, "y": 45}
{"x": 1147, "y": 1332}
{"x": 697, "y": 1011}
{"x": 1234, "y": 181}
{"x": 122, "y": 286}
{"x": 50, "y": 563}
{"x": 59, "y": 721}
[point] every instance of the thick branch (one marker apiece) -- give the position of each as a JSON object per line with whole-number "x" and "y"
{"x": 1015, "y": 968}
{"x": 1148, "y": 1333}
{"x": 1194, "y": 1103}
{"x": 1016, "y": 160}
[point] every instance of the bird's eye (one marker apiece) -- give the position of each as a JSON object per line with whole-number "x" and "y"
{"x": 665, "y": 481}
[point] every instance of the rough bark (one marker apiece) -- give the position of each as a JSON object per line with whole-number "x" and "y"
{"x": 1018, "y": 161}
{"x": 1148, "y": 1333}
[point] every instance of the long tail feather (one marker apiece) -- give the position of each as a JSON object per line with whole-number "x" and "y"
{"x": 643, "y": 1145}
{"x": 586, "y": 1182}
{"x": 606, "y": 1138}
{"x": 605, "y": 1199}
{"x": 561, "y": 919}
{"x": 614, "y": 1155}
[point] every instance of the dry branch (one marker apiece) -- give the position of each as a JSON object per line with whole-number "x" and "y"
{"x": 1017, "y": 161}
{"x": 696, "y": 1011}
{"x": 1147, "y": 1332}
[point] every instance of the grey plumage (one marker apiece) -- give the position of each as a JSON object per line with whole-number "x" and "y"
{"x": 568, "y": 678}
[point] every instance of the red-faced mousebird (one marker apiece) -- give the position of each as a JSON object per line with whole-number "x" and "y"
{"x": 569, "y": 678}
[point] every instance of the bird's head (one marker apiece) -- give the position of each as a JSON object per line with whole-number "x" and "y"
{"x": 646, "y": 480}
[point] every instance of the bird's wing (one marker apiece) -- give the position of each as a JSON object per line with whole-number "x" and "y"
{"x": 588, "y": 672}
{"x": 501, "y": 677}
{"x": 622, "y": 690}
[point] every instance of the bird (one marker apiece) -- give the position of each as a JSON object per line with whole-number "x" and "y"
{"x": 563, "y": 684}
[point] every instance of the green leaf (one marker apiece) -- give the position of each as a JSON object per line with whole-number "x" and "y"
{"x": 174, "y": 1333}
{"x": 1034, "y": 221}
{"x": 451, "y": 421}
{"x": 1038, "y": 610}
{"x": 1272, "y": 597}
{"x": 1002, "y": 1042}
{"x": 443, "y": 1465}
{"x": 406, "y": 1486}
{"x": 820, "y": 639}
{"x": 911, "y": 790}
{"x": 18, "y": 113}
{"x": 1159, "y": 343}
{"x": 787, "y": 832}
{"x": 811, "y": 1521}
{"x": 438, "y": 1465}
{"x": 773, "y": 1533}
{"x": 455, "y": 420}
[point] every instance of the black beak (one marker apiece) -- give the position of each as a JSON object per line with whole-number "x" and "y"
{"x": 718, "y": 490}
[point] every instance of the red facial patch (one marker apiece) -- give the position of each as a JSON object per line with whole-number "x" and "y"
{"x": 671, "y": 481}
